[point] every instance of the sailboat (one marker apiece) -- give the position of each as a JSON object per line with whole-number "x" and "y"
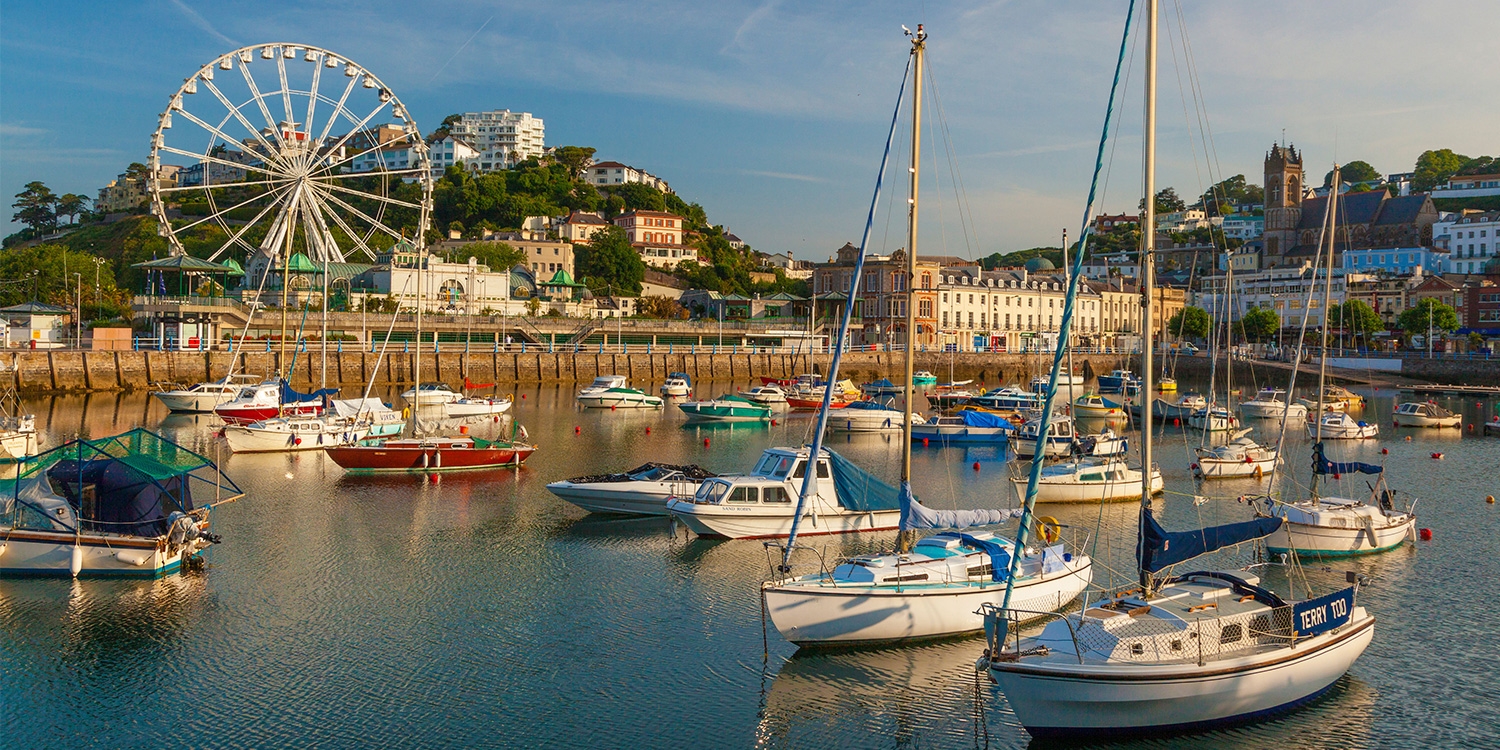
{"x": 428, "y": 454}
{"x": 1240, "y": 457}
{"x": 1329, "y": 526}
{"x": 933, "y": 588}
{"x": 1179, "y": 652}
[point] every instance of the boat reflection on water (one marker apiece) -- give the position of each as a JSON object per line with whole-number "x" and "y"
{"x": 108, "y": 620}
{"x": 913, "y": 696}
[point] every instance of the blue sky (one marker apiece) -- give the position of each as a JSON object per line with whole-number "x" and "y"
{"x": 772, "y": 114}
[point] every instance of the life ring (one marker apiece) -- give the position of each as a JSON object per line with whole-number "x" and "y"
{"x": 1048, "y": 529}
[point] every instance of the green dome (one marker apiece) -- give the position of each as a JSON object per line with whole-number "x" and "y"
{"x": 1039, "y": 264}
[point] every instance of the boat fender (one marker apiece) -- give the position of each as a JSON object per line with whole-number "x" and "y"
{"x": 1259, "y": 474}
{"x": 296, "y": 441}
{"x": 424, "y": 460}
{"x": 437, "y": 459}
{"x": 75, "y": 564}
{"x": 133, "y": 557}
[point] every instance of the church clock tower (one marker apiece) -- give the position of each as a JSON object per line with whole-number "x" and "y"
{"x": 1283, "y": 203}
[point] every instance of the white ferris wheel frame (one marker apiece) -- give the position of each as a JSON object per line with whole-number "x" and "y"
{"x": 301, "y": 188}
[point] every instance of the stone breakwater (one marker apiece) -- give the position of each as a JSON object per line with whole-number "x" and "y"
{"x": 79, "y": 371}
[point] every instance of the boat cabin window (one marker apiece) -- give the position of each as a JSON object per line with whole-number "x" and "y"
{"x": 775, "y": 495}
{"x": 823, "y": 472}
{"x": 711, "y": 492}
{"x": 744, "y": 495}
{"x": 1091, "y": 478}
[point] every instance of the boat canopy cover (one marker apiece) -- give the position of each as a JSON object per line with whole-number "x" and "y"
{"x": 132, "y": 494}
{"x": 859, "y": 490}
{"x": 40, "y": 508}
{"x": 289, "y": 396}
{"x": 973, "y": 418}
{"x": 681, "y": 375}
{"x": 349, "y": 407}
{"x": 1322, "y": 465}
{"x": 1158, "y": 548}
{"x": 915, "y": 515}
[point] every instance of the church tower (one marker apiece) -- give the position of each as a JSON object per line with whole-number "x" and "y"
{"x": 1283, "y": 203}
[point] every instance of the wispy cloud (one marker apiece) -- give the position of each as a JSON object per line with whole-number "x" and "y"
{"x": 202, "y": 23}
{"x": 461, "y": 48}
{"x": 10, "y": 130}
{"x": 783, "y": 175}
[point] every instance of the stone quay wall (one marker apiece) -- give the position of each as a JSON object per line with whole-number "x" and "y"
{"x": 62, "y": 370}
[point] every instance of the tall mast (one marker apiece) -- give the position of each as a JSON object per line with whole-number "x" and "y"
{"x": 918, "y": 46}
{"x": 1148, "y": 250}
{"x": 416, "y": 400}
{"x": 1067, "y": 281}
{"x": 1333, "y": 236}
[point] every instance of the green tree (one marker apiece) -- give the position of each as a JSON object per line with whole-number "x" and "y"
{"x": 1480, "y": 165}
{"x": 638, "y": 196}
{"x": 1167, "y": 201}
{"x": 574, "y": 158}
{"x": 1190, "y": 322}
{"x": 608, "y": 262}
{"x": 1435, "y": 167}
{"x": 1260, "y": 324}
{"x": 444, "y": 129}
{"x": 1428, "y": 312}
{"x": 136, "y": 171}
{"x": 1354, "y": 171}
{"x": 660, "y": 307}
{"x": 72, "y": 205}
{"x": 36, "y": 207}
{"x": 1355, "y": 317}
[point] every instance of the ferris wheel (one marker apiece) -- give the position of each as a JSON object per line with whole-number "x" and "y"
{"x": 282, "y": 148}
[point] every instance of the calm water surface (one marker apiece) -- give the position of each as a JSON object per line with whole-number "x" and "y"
{"x": 477, "y": 610}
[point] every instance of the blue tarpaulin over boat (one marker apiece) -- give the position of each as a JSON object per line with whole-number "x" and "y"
{"x": 1159, "y": 548}
{"x": 859, "y": 490}
{"x": 871, "y": 406}
{"x": 289, "y": 396}
{"x": 998, "y": 552}
{"x": 986, "y": 419}
{"x": 1321, "y": 465}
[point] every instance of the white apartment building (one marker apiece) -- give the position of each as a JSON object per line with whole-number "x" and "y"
{"x": 1243, "y": 226}
{"x": 1009, "y": 310}
{"x": 382, "y": 159}
{"x": 501, "y": 137}
{"x": 450, "y": 151}
{"x": 611, "y": 173}
{"x": 1186, "y": 220}
{"x": 1471, "y": 240}
{"x": 1468, "y": 186}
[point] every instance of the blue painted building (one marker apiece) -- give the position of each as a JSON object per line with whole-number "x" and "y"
{"x": 1397, "y": 260}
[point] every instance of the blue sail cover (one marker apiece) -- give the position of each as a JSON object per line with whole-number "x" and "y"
{"x": 1159, "y": 548}
{"x": 871, "y": 406}
{"x": 289, "y": 396}
{"x": 999, "y": 556}
{"x": 1321, "y": 465}
{"x": 859, "y": 490}
{"x": 985, "y": 419}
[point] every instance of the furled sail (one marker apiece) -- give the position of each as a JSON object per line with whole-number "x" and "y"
{"x": 1158, "y": 548}
{"x": 915, "y": 515}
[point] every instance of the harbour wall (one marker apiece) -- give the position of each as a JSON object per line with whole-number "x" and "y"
{"x": 82, "y": 371}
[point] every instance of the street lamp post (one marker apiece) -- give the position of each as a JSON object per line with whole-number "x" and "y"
{"x": 78, "y": 321}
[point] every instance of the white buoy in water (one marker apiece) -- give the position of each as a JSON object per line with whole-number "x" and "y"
{"x": 76, "y": 564}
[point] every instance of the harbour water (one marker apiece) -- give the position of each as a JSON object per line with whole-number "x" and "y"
{"x": 477, "y": 610}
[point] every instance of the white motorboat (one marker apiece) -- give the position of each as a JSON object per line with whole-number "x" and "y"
{"x": 431, "y": 394}
{"x": 1327, "y": 526}
{"x": 1335, "y": 398}
{"x": 642, "y": 491}
{"x": 287, "y": 434}
{"x": 726, "y": 408}
{"x": 1271, "y": 403}
{"x": 132, "y": 515}
{"x": 1193, "y": 652}
{"x": 203, "y": 397}
{"x": 1008, "y": 401}
{"x": 869, "y": 416}
{"x": 1426, "y": 414}
{"x": 1336, "y": 425}
{"x": 18, "y": 437}
{"x": 268, "y": 400}
{"x": 1059, "y": 441}
{"x": 763, "y": 503}
{"x": 934, "y": 591}
{"x": 1089, "y": 480}
{"x": 1239, "y": 458}
{"x": 620, "y": 398}
{"x": 1214, "y": 419}
{"x": 1095, "y": 406}
{"x": 476, "y": 406}
{"x": 677, "y": 385}
{"x": 765, "y": 394}
{"x": 602, "y": 384}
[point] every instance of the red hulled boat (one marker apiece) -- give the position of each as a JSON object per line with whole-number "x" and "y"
{"x": 430, "y": 455}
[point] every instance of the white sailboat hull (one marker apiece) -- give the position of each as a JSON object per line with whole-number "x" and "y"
{"x": 191, "y": 401}
{"x": 476, "y": 407}
{"x": 1121, "y": 700}
{"x": 1217, "y": 468}
{"x": 854, "y": 614}
{"x": 1052, "y": 491}
{"x": 621, "y": 401}
{"x": 1418, "y": 420}
{"x": 17, "y": 444}
{"x": 1308, "y": 540}
{"x": 859, "y": 420}
{"x": 772, "y": 523}
{"x": 1272, "y": 410}
{"x": 255, "y": 439}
